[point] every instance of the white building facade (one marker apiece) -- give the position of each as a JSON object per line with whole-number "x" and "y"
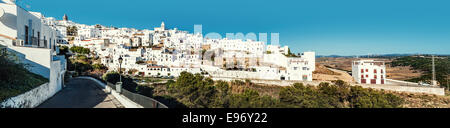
{"x": 369, "y": 72}
{"x": 33, "y": 41}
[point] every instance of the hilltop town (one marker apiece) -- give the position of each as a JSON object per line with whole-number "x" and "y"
{"x": 169, "y": 53}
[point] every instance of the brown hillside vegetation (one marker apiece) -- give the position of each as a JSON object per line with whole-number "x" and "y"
{"x": 401, "y": 73}
{"x": 410, "y": 100}
{"x": 320, "y": 69}
{"x": 397, "y": 73}
{"x": 424, "y": 100}
{"x": 322, "y": 73}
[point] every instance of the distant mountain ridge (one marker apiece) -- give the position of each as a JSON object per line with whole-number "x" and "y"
{"x": 378, "y": 56}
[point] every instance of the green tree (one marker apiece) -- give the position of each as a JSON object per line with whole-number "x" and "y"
{"x": 112, "y": 77}
{"x": 98, "y": 67}
{"x": 63, "y": 50}
{"x": 72, "y": 31}
{"x": 80, "y": 50}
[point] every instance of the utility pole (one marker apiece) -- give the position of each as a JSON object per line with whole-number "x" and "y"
{"x": 433, "y": 82}
{"x": 448, "y": 86}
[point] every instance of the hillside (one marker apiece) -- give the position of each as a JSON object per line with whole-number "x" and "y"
{"x": 397, "y": 72}
{"x": 323, "y": 73}
{"x": 15, "y": 79}
{"x": 424, "y": 64}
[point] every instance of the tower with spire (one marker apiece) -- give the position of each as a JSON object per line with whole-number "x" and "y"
{"x": 163, "y": 26}
{"x": 65, "y": 18}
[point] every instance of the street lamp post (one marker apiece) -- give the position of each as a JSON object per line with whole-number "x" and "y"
{"x": 120, "y": 68}
{"x": 119, "y": 84}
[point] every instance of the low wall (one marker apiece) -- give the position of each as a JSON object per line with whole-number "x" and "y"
{"x": 271, "y": 82}
{"x": 390, "y": 81}
{"x": 410, "y": 89}
{"x": 127, "y": 103}
{"x": 38, "y": 95}
{"x": 122, "y": 99}
{"x": 30, "y": 99}
{"x": 398, "y": 88}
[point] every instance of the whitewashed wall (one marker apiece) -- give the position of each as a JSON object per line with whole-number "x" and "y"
{"x": 29, "y": 99}
{"x": 8, "y": 22}
{"x": 35, "y": 97}
{"x": 38, "y": 59}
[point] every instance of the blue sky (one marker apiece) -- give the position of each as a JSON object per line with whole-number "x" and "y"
{"x": 329, "y": 27}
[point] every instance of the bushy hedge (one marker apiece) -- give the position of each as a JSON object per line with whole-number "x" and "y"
{"x": 80, "y": 50}
{"x": 337, "y": 96}
{"x": 196, "y": 91}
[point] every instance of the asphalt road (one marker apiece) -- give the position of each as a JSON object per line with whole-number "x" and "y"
{"x": 81, "y": 93}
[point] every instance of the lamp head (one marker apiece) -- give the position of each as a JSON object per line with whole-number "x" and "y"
{"x": 120, "y": 60}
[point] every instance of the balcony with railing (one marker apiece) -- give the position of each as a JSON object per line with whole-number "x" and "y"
{"x": 34, "y": 42}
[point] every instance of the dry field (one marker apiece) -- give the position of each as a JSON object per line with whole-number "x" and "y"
{"x": 397, "y": 73}
{"x": 424, "y": 100}
{"x": 322, "y": 73}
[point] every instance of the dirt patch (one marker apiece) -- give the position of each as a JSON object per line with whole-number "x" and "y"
{"x": 396, "y": 73}
{"x": 320, "y": 69}
{"x": 424, "y": 100}
{"x": 323, "y": 73}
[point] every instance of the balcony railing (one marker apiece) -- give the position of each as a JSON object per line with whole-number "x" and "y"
{"x": 35, "y": 43}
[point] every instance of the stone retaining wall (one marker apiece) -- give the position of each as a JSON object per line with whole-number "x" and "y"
{"x": 30, "y": 99}
{"x": 398, "y": 88}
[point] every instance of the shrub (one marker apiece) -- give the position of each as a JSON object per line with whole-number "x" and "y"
{"x": 80, "y": 50}
{"x": 336, "y": 96}
{"x": 98, "y": 67}
{"x": 111, "y": 77}
{"x": 196, "y": 91}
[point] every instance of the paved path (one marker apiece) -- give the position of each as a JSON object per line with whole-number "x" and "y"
{"x": 81, "y": 93}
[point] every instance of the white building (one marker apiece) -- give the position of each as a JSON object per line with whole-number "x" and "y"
{"x": 277, "y": 49}
{"x": 168, "y": 52}
{"x": 33, "y": 41}
{"x": 27, "y": 28}
{"x": 369, "y": 72}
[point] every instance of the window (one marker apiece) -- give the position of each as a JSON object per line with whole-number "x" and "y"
{"x": 362, "y": 76}
{"x": 375, "y": 76}
{"x": 367, "y": 70}
{"x": 382, "y": 71}
{"x": 367, "y": 76}
{"x": 305, "y": 77}
{"x": 362, "y": 70}
{"x": 382, "y": 77}
{"x": 373, "y": 81}
{"x": 26, "y": 34}
{"x": 39, "y": 38}
{"x": 375, "y": 71}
